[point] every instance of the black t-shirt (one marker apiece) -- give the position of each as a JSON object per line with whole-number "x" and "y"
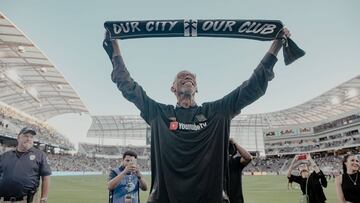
{"x": 189, "y": 163}
{"x": 189, "y": 145}
{"x": 235, "y": 177}
{"x": 351, "y": 191}
{"x": 315, "y": 186}
{"x": 21, "y": 174}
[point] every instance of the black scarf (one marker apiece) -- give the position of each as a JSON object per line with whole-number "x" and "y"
{"x": 264, "y": 30}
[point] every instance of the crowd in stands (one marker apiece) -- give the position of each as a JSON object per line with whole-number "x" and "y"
{"x": 110, "y": 150}
{"x": 346, "y": 121}
{"x": 329, "y": 164}
{"x": 337, "y": 123}
{"x": 92, "y": 157}
{"x": 81, "y": 162}
{"x": 346, "y": 139}
{"x": 77, "y": 162}
{"x": 11, "y": 121}
{"x": 262, "y": 164}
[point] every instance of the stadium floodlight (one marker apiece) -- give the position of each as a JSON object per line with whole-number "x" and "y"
{"x": 43, "y": 70}
{"x": 21, "y": 49}
{"x": 352, "y": 92}
{"x": 59, "y": 87}
{"x": 32, "y": 91}
{"x": 336, "y": 100}
{"x": 13, "y": 77}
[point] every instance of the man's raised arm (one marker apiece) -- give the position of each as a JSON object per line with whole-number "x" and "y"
{"x": 130, "y": 89}
{"x": 253, "y": 88}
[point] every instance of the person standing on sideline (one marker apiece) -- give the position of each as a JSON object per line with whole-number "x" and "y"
{"x": 313, "y": 182}
{"x": 21, "y": 169}
{"x": 125, "y": 181}
{"x": 348, "y": 184}
{"x": 189, "y": 142}
{"x": 239, "y": 158}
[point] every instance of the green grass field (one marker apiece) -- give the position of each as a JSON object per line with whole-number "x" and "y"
{"x": 256, "y": 189}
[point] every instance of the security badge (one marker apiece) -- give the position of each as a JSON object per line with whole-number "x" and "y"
{"x": 32, "y": 157}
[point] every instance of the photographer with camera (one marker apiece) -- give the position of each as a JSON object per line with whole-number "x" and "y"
{"x": 311, "y": 179}
{"x": 239, "y": 158}
{"x": 125, "y": 181}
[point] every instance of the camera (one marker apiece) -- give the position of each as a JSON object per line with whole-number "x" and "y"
{"x": 132, "y": 161}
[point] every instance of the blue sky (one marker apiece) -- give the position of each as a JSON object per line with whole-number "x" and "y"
{"x": 70, "y": 33}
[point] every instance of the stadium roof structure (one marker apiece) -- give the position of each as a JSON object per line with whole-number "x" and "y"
{"x": 341, "y": 101}
{"x": 117, "y": 126}
{"x": 29, "y": 82}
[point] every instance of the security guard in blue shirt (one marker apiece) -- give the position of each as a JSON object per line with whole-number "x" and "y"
{"x": 20, "y": 171}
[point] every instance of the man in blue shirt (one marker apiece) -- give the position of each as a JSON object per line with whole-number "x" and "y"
{"x": 125, "y": 181}
{"x": 21, "y": 169}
